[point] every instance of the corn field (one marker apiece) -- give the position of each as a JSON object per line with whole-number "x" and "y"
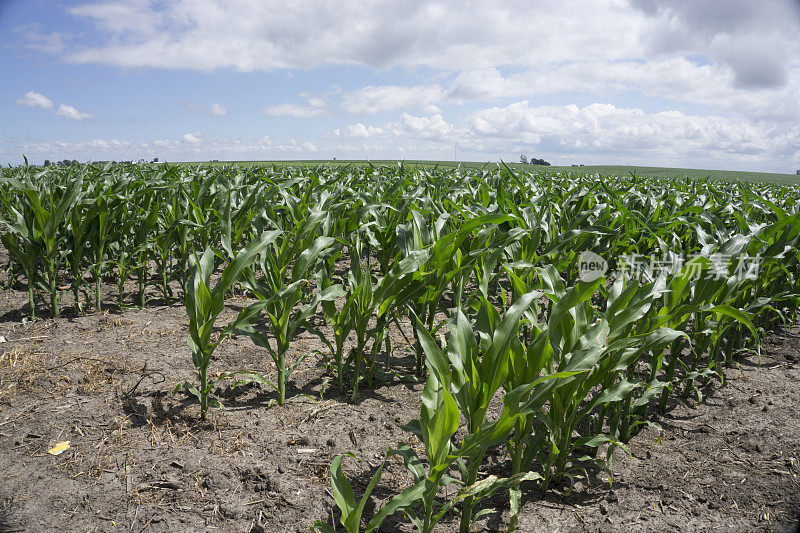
{"x": 481, "y": 269}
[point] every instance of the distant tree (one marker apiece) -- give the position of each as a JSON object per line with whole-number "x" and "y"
{"x": 47, "y": 162}
{"x": 523, "y": 159}
{"x": 155, "y": 160}
{"x": 536, "y": 161}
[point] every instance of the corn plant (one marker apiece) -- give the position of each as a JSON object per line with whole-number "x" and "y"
{"x": 204, "y": 304}
{"x": 368, "y": 297}
{"x": 438, "y": 423}
{"x": 20, "y": 241}
{"x": 351, "y": 509}
{"x": 279, "y": 300}
{"x": 236, "y": 217}
{"x": 474, "y": 372}
{"x": 40, "y": 230}
{"x": 104, "y": 204}
{"x": 340, "y": 320}
{"x": 447, "y": 266}
{"x": 82, "y": 217}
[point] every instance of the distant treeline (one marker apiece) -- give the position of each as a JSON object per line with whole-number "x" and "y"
{"x": 533, "y": 161}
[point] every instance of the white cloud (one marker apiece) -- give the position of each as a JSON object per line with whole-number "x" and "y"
{"x": 34, "y": 99}
{"x": 265, "y": 35}
{"x": 70, "y": 113}
{"x": 449, "y": 35}
{"x": 218, "y": 110}
{"x": 215, "y": 109}
{"x": 357, "y": 131}
{"x": 434, "y": 127}
{"x": 294, "y": 111}
{"x": 372, "y": 99}
{"x": 599, "y": 131}
{"x": 735, "y": 56}
{"x": 313, "y": 101}
{"x": 192, "y": 138}
{"x": 108, "y": 144}
{"x": 672, "y": 79}
{"x": 604, "y": 129}
{"x": 316, "y": 107}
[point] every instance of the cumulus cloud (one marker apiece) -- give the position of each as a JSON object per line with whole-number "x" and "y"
{"x": 601, "y": 131}
{"x": 107, "y": 144}
{"x": 264, "y": 35}
{"x": 675, "y": 79}
{"x": 34, "y": 99}
{"x": 757, "y": 41}
{"x": 728, "y": 50}
{"x": 434, "y": 127}
{"x": 218, "y": 110}
{"x": 606, "y": 129}
{"x": 192, "y": 138}
{"x": 357, "y": 131}
{"x": 70, "y": 113}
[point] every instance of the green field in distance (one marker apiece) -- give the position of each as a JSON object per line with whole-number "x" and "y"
{"x": 603, "y": 170}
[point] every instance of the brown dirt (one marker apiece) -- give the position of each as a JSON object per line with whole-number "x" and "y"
{"x": 139, "y": 459}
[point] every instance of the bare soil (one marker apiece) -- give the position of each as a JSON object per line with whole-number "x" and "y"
{"x": 140, "y": 459}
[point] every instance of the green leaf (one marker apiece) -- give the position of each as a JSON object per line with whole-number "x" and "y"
{"x": 342, "y": 491}
{"x": 401, "y": 501}
{"x": 439, "y": 420}
{"x": 242, "y": 260}
{"x": 353, "y": 521}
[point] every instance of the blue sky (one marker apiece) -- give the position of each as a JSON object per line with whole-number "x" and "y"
{"x": 684, "y": 83}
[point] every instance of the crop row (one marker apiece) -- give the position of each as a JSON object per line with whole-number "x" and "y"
{"x": 483, "y": 266}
